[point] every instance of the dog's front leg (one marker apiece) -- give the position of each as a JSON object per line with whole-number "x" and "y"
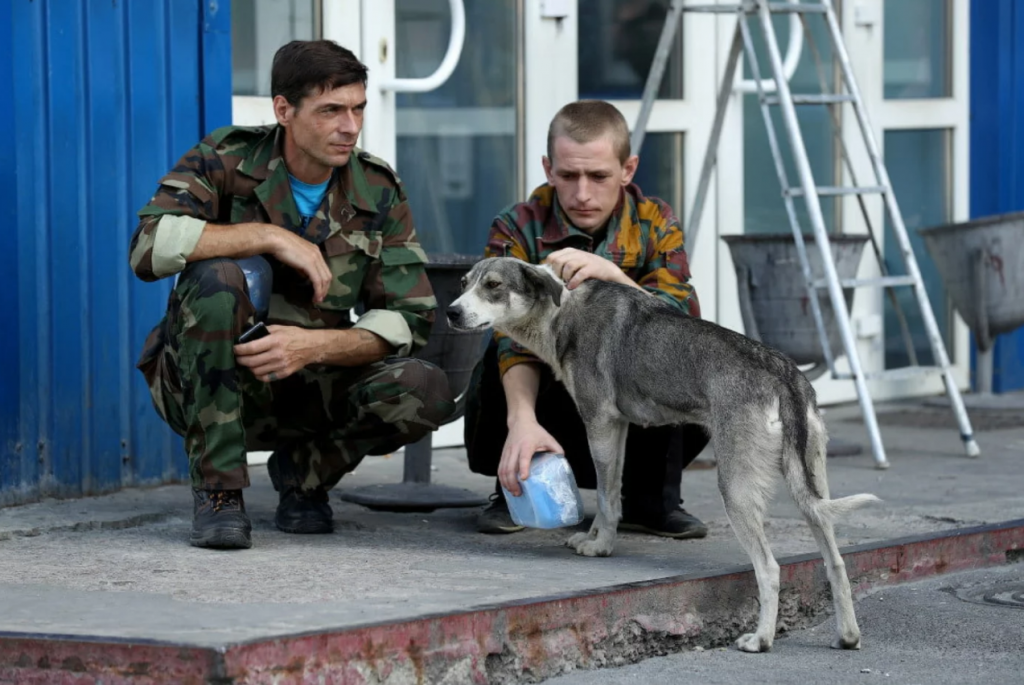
{"x": 607, "y": 439}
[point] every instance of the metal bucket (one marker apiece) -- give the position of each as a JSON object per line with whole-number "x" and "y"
{"x": 773, "y": 296}
{"x": 455, "y": 352}
{"x": 981, "y": 263}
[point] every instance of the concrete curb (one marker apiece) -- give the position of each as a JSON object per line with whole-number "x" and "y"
{"x": 518, "y": 641}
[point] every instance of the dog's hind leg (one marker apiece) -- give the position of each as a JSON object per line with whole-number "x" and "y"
{"x": 819, "y": 519}
{"x": 607, "y": 440}
{"x": 746, "y": 474}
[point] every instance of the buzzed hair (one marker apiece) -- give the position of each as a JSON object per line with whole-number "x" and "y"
{"x": 584, "y": 121}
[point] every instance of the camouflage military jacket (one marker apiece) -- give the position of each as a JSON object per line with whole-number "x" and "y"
{"x": 363, "y": 227}
{"x": 642, "y": 237}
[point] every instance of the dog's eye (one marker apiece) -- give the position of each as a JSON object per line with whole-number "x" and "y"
{"x": 491, "y": 285}
{"x": 463, "y": 282}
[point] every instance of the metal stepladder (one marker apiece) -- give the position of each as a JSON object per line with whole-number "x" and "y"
{"x": 811, "y": 192}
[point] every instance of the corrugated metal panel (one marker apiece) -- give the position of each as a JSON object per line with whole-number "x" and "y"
{"x": 103, "y": 97}
{"x": 997, "y": 141}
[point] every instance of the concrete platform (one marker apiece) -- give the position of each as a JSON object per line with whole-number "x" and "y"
{"x": 107, "y": 589}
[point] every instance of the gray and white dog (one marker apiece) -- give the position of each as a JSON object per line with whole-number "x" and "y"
{"x": 627, "y": 357}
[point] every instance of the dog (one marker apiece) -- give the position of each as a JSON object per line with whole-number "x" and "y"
{"x": 627, "y": 357}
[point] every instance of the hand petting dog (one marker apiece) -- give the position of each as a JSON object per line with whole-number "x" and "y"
{"x": 575, "y": 266}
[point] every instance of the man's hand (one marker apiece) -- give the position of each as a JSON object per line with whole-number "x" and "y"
{"x": 575, "y": 266}
{"x": 525, "y": 438}
{"x": 276, "y": 356}
{"x": 303, "y": 256}
{"x": 245, "y": 240}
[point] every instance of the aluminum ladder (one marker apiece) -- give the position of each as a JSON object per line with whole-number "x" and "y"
{"x": 808, "y": 189}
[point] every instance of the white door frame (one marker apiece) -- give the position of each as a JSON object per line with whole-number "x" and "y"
{"x": 864, "y": 28}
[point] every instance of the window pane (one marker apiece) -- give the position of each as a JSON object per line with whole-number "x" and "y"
{"x": 258, "y": 29}
{"x": 617, "y": 42}
{"x": 660, "y": 173}
{"x": 917, "y": 50}
{"x": 457, "y": 145}
{"x": 764, "y": 209}
{"x": 918, "y": 162}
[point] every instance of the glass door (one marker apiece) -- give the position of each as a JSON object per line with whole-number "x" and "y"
{"x": 457, "y": 146}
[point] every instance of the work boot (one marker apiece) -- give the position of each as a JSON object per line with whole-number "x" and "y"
{"x": 496, "y": 519}
{"x": 219, "y": 520}
{"x": 678, "y": 524}
{"x": 299, "y": 511}
{"x": 304, "y": 511}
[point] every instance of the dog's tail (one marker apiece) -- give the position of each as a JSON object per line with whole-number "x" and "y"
{"x": 832, "y": 509}
{"x": 804, "y": 470}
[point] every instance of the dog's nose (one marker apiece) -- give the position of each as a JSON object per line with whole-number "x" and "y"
{"x": 454, "y": 315}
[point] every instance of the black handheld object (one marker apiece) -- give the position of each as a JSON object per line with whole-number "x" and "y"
{"x": 255, "y": 333}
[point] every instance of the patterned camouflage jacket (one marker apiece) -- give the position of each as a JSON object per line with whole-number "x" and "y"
{"x": 643, "y": 238}
{"x": 363, "y": 226}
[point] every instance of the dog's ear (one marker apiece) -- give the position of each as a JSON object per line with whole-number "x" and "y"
{"x": 545, "y": 284}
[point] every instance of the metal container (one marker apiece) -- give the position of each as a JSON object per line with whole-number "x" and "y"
{"x": 982, "y": 266}
{"x": 455, "y": 352}
{"x": 773, "y": 296}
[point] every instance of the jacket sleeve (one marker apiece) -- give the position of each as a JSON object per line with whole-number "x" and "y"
{"x": 397, "y": 295}
{"x": 506, "y": 241}
{"x": 667, "y": 274}
{"x": 172, "y": 222}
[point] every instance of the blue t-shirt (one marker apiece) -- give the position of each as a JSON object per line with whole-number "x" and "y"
{"x": 307, "y": 197}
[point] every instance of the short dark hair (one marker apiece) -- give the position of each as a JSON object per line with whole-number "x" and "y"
{"x": 586, "y": 120}
{"x": 303, "y": 67}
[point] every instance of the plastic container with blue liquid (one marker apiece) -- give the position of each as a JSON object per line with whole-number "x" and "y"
{"x": 550, "y": 498}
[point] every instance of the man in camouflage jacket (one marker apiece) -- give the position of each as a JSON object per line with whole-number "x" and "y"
{"x": 335, "y": 227}
{"x": 589, "y": 221}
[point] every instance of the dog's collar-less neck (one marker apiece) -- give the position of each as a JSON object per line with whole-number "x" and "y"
{"x": 538, "y": 341}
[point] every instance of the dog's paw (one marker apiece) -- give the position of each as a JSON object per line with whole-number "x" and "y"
{"x": 590, "y": 547}
{"x": 848, "y": 642}
{"x": 753, "y": 643}
{"x": 577, "y": 539}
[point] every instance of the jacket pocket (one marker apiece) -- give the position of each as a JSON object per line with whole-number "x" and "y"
{"x": 348, "y": 263}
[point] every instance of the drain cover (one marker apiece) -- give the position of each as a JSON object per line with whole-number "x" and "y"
{"x": 1003, "y": 594}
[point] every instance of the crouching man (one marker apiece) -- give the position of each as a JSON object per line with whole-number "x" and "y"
{"x": 588, "y": 221}
{"x": 336, "y": 233}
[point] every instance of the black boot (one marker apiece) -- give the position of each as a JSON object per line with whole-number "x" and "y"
{"x": 677, "y": 523}
{"x": 219, "y": 520}
{"x": 304, "y": 511}
{"x": 299, "y": 511}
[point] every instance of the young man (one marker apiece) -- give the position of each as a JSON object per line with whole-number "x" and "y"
{"x": 334, "y": 227}
{"x": 588, "y": 221}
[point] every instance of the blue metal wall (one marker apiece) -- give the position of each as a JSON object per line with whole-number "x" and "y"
{"x": 100, "y": 98}
{"x": 997, "y": 140}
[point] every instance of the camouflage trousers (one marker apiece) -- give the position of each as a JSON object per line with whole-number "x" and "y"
{"x": 326, "y": 418}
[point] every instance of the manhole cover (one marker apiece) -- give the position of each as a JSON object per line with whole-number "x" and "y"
{"x": 1003, "y": 595}
{"x": 931, "y": 418}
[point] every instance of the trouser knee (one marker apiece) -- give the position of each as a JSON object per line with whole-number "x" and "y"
{"x": 214, "y": 292}
{"x": 413, "y": 398}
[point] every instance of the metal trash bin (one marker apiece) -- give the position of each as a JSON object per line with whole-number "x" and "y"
{"x": 774, "y": 304}
{"x": 456, "y": 353}
{"x": 981, "y": 263}
{"x": 773, "y": 295}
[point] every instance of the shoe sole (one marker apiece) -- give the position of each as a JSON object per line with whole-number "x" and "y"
{"x": 305, "y": 527}
{"x": 222, "y": 538}
{"x": 501, "y": 530}
{"x": 694, "y": 534}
